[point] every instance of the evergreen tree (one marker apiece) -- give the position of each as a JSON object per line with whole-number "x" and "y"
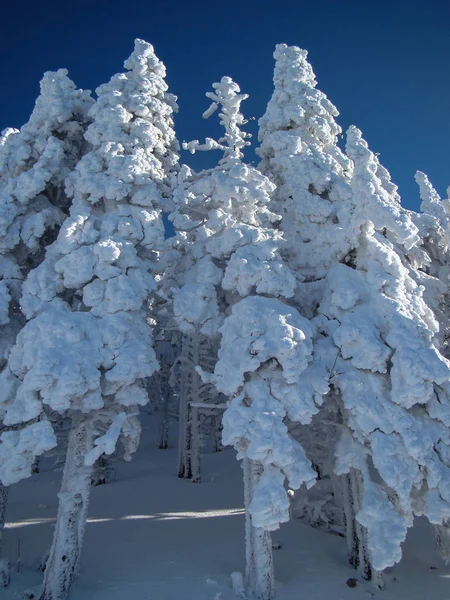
{"x": 433, "y": 273}
{"x": 298, "y": 137}
{"x": 87, "y": 347}
{"x": 239, "y": 277}
{"x": 347, "y": 240}
{"x": 34, "y": 162}
{"x": 389, "y": 374}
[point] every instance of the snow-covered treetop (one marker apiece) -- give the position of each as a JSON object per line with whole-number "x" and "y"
{"x": 375, "y": 197}
{"x": 296, "y": 103}
{"x": 299, "y": 151}
{"x": 226, "y": 240}
{"x": 432, "y": 258}
{"x": 133, "y": 133}
{"x": 226, "y": 95}
{"x": 431, "y": 201}
{"x": 39, "y": 155}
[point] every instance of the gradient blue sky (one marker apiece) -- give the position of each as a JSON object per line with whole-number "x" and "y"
{"x": 385, "y": 65}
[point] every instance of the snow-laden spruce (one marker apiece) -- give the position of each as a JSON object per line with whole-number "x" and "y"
{"x": 347, "y": 238}
{"x": 298, "y": 137}
{"x": 87, "y": 347}
{"x": 237, "y": 280}
{"x": 391, "y": 378}
{"x": 431, "y": 259}
{"x": 431, "y": 263}
{"x": 34, "y": 162}
{"x": 220, "y": 244}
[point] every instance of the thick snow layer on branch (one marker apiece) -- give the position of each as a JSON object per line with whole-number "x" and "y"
{"x": 259, "y": 267}
{"x": 265, "y": 347}
{"x": 254, "y": 425}
{"x": 195, "y": 306}
{"x": 56, "y": 361}
{"x": 386, "y": 527}
{"x": 18, "y": 450}
{"x": 106, "y": 444}
{"x": 258, "y": 330}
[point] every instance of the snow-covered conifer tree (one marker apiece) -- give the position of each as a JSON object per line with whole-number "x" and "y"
{"x": 347, "y": 239}
{"x": 298, "y": 137}
{"x": 390, "y": 377}
{"x": 433, "y": 273}
{"x": 433, "y": 223}
{"x": 265, "y": 344}
{"x": 87, "y": 347}
{"x": 34, "y": 162}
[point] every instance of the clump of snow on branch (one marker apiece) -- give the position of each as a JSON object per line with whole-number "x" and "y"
{"x": 267, "y": 344}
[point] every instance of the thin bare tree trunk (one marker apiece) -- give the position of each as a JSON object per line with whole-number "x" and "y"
{"x": 196, "y": 445}
{"x": 194, "y": 430}
{"x": 4, "y": 563}
{"x": 356, "y": 534}
{"x": 184, "y": 437}
{"x": 442, "y": 533}
{"x": 164, "y": 420}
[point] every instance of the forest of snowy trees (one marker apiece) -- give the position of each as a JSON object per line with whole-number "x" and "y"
{"x": 293, "y": 310}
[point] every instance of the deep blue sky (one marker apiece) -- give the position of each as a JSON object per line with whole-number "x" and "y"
{"x": 385, "y": 65}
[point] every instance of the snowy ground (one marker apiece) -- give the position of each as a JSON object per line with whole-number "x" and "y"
{"x": 153, "y": 536}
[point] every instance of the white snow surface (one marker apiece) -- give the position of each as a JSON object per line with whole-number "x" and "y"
{"x": 184, "y": 540}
